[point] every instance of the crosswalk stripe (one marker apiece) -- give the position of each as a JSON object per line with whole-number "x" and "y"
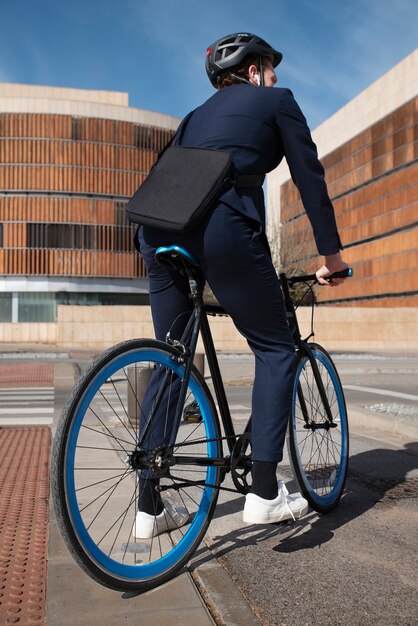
{"x": 26, "y": 406}
{"x": 25, "y": 421}
{"x": 27, "y": 400}
{"x": 25, "y": 390}
{"x": 23, "y": 410}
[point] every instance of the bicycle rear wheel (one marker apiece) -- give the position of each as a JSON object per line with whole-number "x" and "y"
{"x": 98, "y": 462}
{"x": 318, "y": 449}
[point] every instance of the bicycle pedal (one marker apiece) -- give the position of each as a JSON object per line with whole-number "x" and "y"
{"x": 192, "y": 414}
{"x": 192, "y": 419}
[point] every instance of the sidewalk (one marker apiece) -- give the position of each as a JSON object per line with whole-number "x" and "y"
{"x": 39, "y": 581}
{"x": 74, "y": 598}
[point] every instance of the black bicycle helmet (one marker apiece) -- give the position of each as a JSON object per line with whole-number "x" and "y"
{"x": 230, "y": 51}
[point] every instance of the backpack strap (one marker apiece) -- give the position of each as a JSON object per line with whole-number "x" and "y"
{"x": 180, "y": 133}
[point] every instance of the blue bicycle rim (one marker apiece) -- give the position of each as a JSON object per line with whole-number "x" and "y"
{"x": 166, "y": 562}
{"x": 339, "y": 482}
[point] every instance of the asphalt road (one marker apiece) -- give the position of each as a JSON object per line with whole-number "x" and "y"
{"x": 358, "y": 564}
{"x": 379, "y": 383}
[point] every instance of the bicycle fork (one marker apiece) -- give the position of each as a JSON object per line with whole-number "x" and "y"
{"x": 329, "y": 422}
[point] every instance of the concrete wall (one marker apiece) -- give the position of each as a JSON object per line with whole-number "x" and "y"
{"x": 348, "y": 329}
{"x": 112, "y": 105}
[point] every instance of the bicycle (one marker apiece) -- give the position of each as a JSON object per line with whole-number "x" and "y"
{"x": 142, "y": 409}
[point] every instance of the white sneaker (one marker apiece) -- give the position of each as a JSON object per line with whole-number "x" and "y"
{"x": 260, "y": 511}
{"x": 172, "y": 517}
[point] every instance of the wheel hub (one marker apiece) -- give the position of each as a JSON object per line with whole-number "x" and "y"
{"x": 162, "y": 459}
{"x": 159, "y": 460}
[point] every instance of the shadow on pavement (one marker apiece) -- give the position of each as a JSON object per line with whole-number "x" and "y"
{"x": 375, "y": 476}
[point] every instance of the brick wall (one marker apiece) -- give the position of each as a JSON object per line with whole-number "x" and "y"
{"x": 372, "y": 181}
{"x": 65, "y": 180}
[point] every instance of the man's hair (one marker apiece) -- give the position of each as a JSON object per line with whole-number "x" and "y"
{"x": 228, "y": 79}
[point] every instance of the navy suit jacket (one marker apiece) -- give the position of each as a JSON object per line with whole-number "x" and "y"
{"x": 259, "y": 126}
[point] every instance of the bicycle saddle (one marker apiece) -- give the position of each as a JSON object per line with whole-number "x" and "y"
{"x": 176, "y": 257}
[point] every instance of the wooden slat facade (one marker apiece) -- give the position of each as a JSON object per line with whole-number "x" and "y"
{"x": 372, "y": 181}
{"x": 63, "y": 183}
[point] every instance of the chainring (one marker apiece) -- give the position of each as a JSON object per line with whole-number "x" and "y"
{"x": 241, "y": 463}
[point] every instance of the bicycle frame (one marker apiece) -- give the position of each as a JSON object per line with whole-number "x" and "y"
{"x": 198, "y": 322}
{"x": 186, "y": 346}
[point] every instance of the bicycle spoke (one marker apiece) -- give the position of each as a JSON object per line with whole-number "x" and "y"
{"x": 99, "y": 482}
{"x": 116, "y": 415}
{"x": 100, "y": 432}
{"x": 112, "y": 488}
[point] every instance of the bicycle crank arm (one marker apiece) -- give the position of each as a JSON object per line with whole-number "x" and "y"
{"x": 323, "y": 425}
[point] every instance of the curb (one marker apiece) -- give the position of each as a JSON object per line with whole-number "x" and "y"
{"x": 390, "y": 424}
{"x": 225, "y": 602}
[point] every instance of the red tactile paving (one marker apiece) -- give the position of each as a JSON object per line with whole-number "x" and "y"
{"x": 24, "y": 494}
{"x": 26, "y": 374}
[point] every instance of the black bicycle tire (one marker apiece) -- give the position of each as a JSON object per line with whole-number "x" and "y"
{"x": 292, "y": 444}
{"x": 58, "y": 462}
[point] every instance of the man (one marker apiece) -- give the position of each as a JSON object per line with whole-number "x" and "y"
{"x": 258, "y": 126}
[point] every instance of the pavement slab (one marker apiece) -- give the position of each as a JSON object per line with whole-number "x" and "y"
{"x": 74, "y": 598}
{"x": 24, "y": 495}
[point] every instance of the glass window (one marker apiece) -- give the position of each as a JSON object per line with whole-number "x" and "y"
{"x": 127, "y": 299}
{"x": 5, "y": 307}
{"x": 80, "y": 299}
{"x": 37, "y": 307}
{"x": 70, "y": 236}
{"x": 75, "y": 129}
{"x": 103, "y": 299}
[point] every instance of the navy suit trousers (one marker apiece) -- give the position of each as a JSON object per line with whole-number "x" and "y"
{"x": 235, "y": 260}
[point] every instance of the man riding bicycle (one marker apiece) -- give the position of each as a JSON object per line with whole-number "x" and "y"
{"x": 258, "y": 126}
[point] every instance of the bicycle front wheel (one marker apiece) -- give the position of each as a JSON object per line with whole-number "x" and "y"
{"x": 99, "y": 464}
{"x": 318, "y": 448}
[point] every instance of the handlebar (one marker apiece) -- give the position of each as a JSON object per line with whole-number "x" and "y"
{"x": 347, "y": 273}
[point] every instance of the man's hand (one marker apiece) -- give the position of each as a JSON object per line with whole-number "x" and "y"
{"x": 333, "y": 263}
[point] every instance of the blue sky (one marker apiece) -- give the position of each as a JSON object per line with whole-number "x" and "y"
{"x": 155, "y": 49}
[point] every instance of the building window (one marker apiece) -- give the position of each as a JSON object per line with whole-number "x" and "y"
{"x": 1, "y": 235}
{"x": 102, "y": 299}
{"x": 70, "y": 236}
{"x": 37, "y": 307}
{"x": 75, "y": 129}
{"x": 6, "y": 307}
{"x": 145, "y": 138}
{"x": 120, "y": 215}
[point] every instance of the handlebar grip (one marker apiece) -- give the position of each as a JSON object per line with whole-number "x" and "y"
{"x": 291, "y": 280}
{"x": 347, "y": 273}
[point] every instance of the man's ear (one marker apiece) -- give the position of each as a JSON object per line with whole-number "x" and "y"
{"x": 254, "y": 74}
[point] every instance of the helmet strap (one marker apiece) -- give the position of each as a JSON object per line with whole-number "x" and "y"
{"x": 240, "y": 78}
{"x": 261, "y": 72}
